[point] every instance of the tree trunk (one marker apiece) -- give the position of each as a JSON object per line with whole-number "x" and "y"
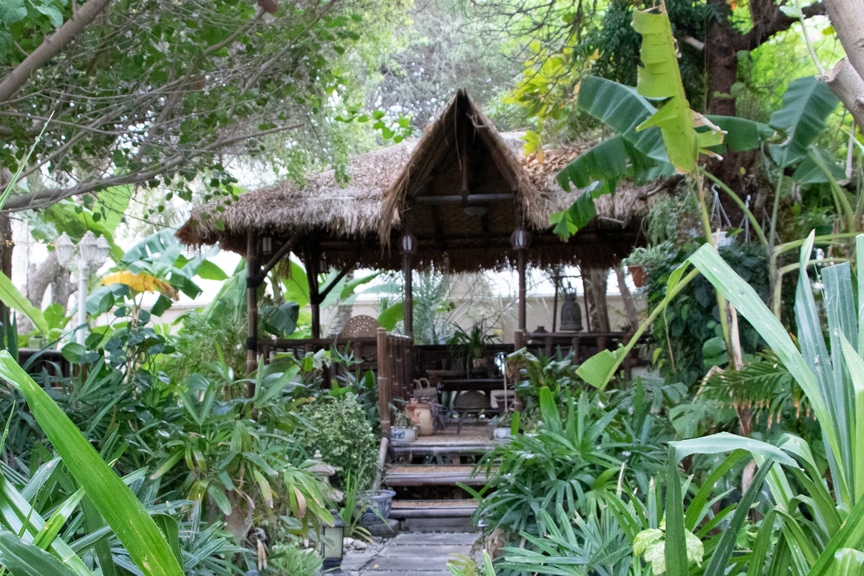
{"x": 49, "y": 273}
{"x": 629, "y": 306}
{"x": 599, "y": 310}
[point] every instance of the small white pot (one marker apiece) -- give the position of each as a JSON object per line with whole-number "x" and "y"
{"x": 402, "y": 434}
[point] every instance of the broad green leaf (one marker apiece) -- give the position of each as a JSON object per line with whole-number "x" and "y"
{"x": 849, "y": 562}
{"x": 660, "y": 78}
{"x": 725, "y": 442}
{"x": 10, "y": 296}
{"x": 599, "y": 369}
{"x": 741, "y": 133}
{"x": 350, "y": 287}
{"x": 115, "y": 501}
{"x": 389, "y": 317}
{"x": 207, "y": 270}
{"x": 811, "y": 172}
{"x": 623, "y": 109}
{"x": 807, "y": 103}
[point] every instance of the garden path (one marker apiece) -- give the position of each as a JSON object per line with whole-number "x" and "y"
{"x": 414, "y": 553}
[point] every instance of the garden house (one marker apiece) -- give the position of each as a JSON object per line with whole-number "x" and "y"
{"x": 462, "y": 198}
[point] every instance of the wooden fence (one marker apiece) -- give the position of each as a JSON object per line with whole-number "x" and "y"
{"x": 395, "y": 373}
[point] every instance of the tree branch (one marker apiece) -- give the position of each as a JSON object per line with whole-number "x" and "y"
{"x": 50, "y": 47}
{"x": 847, "y": 17}
{"x": 848, "y": 86}
{"x": 42, "y": 198}
{"x": 773, "y": 21}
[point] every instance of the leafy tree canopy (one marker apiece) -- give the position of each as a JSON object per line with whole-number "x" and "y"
{"x": 151, "y": 92}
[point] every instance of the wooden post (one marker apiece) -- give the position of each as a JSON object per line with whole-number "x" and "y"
{"x": 520, "y": 255}
{"x": 408, "y": 274}
{"x": 312, "y": 269}
{"x": 383, "y": 382}
{"x": 252, "y": 283}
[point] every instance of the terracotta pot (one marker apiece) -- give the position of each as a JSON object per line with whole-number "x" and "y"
{"x": 421, "y": 416}
{"x": 639, "y": 275}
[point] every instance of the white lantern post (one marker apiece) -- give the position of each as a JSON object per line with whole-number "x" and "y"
{"x": 91, "y": 252}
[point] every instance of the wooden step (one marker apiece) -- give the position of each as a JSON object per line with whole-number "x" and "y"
{"x": 445, "y": 448}
{"x": 431, "y": 475}
{"x": 403, "y": 509}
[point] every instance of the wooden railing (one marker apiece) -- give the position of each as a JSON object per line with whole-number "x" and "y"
{"x": 395, "y": 373}
{"x": 364, "y": 349}
{"x": 582, "y": 344}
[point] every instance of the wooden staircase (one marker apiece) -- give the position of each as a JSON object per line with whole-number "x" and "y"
{"x": 425, "y": 474}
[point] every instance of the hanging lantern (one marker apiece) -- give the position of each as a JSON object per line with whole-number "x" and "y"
{"x": 520, "y": 239}
{"x": 408, "y": 243}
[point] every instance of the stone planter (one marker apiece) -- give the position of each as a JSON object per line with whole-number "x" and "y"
{"x": 502, "y": 433}
{"x": 374, "y": 505}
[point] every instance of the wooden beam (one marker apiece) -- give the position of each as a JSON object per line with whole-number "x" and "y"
{"x": 281, "y": 253}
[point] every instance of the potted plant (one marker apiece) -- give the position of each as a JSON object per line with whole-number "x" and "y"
{"x": 503, "y": 425}
{"x": 473, "y": 344}
{"x": 643, "y": 258}
{"x": 403, "y": 429}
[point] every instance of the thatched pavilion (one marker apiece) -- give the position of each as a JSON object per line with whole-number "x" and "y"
{"x": 463, "y": 198}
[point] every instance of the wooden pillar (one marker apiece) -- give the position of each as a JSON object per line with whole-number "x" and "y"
{"x": 409, "y": 294}
{"x": 383, "y": 382}
{"x": 520, "y": 240}
{"x": 408, "y": 247}
{"x": 253, "y": 281}
{"x": 523, "y": 306}
{"x": 313, "y": 266}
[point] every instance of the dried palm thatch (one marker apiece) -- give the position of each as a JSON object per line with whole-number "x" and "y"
{"x": 461, "y": 191}
{"x": 323, "y": 207}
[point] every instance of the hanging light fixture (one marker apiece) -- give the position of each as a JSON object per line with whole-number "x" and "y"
{"x": 408, "y": 243}
{"x": 267, "y": 245}
{"x": 520, "y": 239}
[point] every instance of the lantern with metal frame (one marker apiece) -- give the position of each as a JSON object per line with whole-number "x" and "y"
{"x": 330, "y": 540}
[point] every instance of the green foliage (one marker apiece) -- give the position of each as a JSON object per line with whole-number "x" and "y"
{"x": 207, "y": 77}
{"x": 121, "y": 510}
{"x": 688, "y": 336}
{"x": 617, "y": 44}
{"x": 568, "y": 461}
{"x": 291, "y": 559}
{"x": 340, "y": 430}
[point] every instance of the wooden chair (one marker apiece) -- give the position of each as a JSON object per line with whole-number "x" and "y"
{"x": 360, "y": 327}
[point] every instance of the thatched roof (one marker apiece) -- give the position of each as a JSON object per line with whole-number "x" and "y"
{"x": 422, "y": 186}
{"x": 324, "y": 206}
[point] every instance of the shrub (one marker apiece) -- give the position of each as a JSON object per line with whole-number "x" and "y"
{"x": 340, "y": 430}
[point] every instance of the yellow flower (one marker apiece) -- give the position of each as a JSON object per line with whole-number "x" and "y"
{"x": 140, "y": 282}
